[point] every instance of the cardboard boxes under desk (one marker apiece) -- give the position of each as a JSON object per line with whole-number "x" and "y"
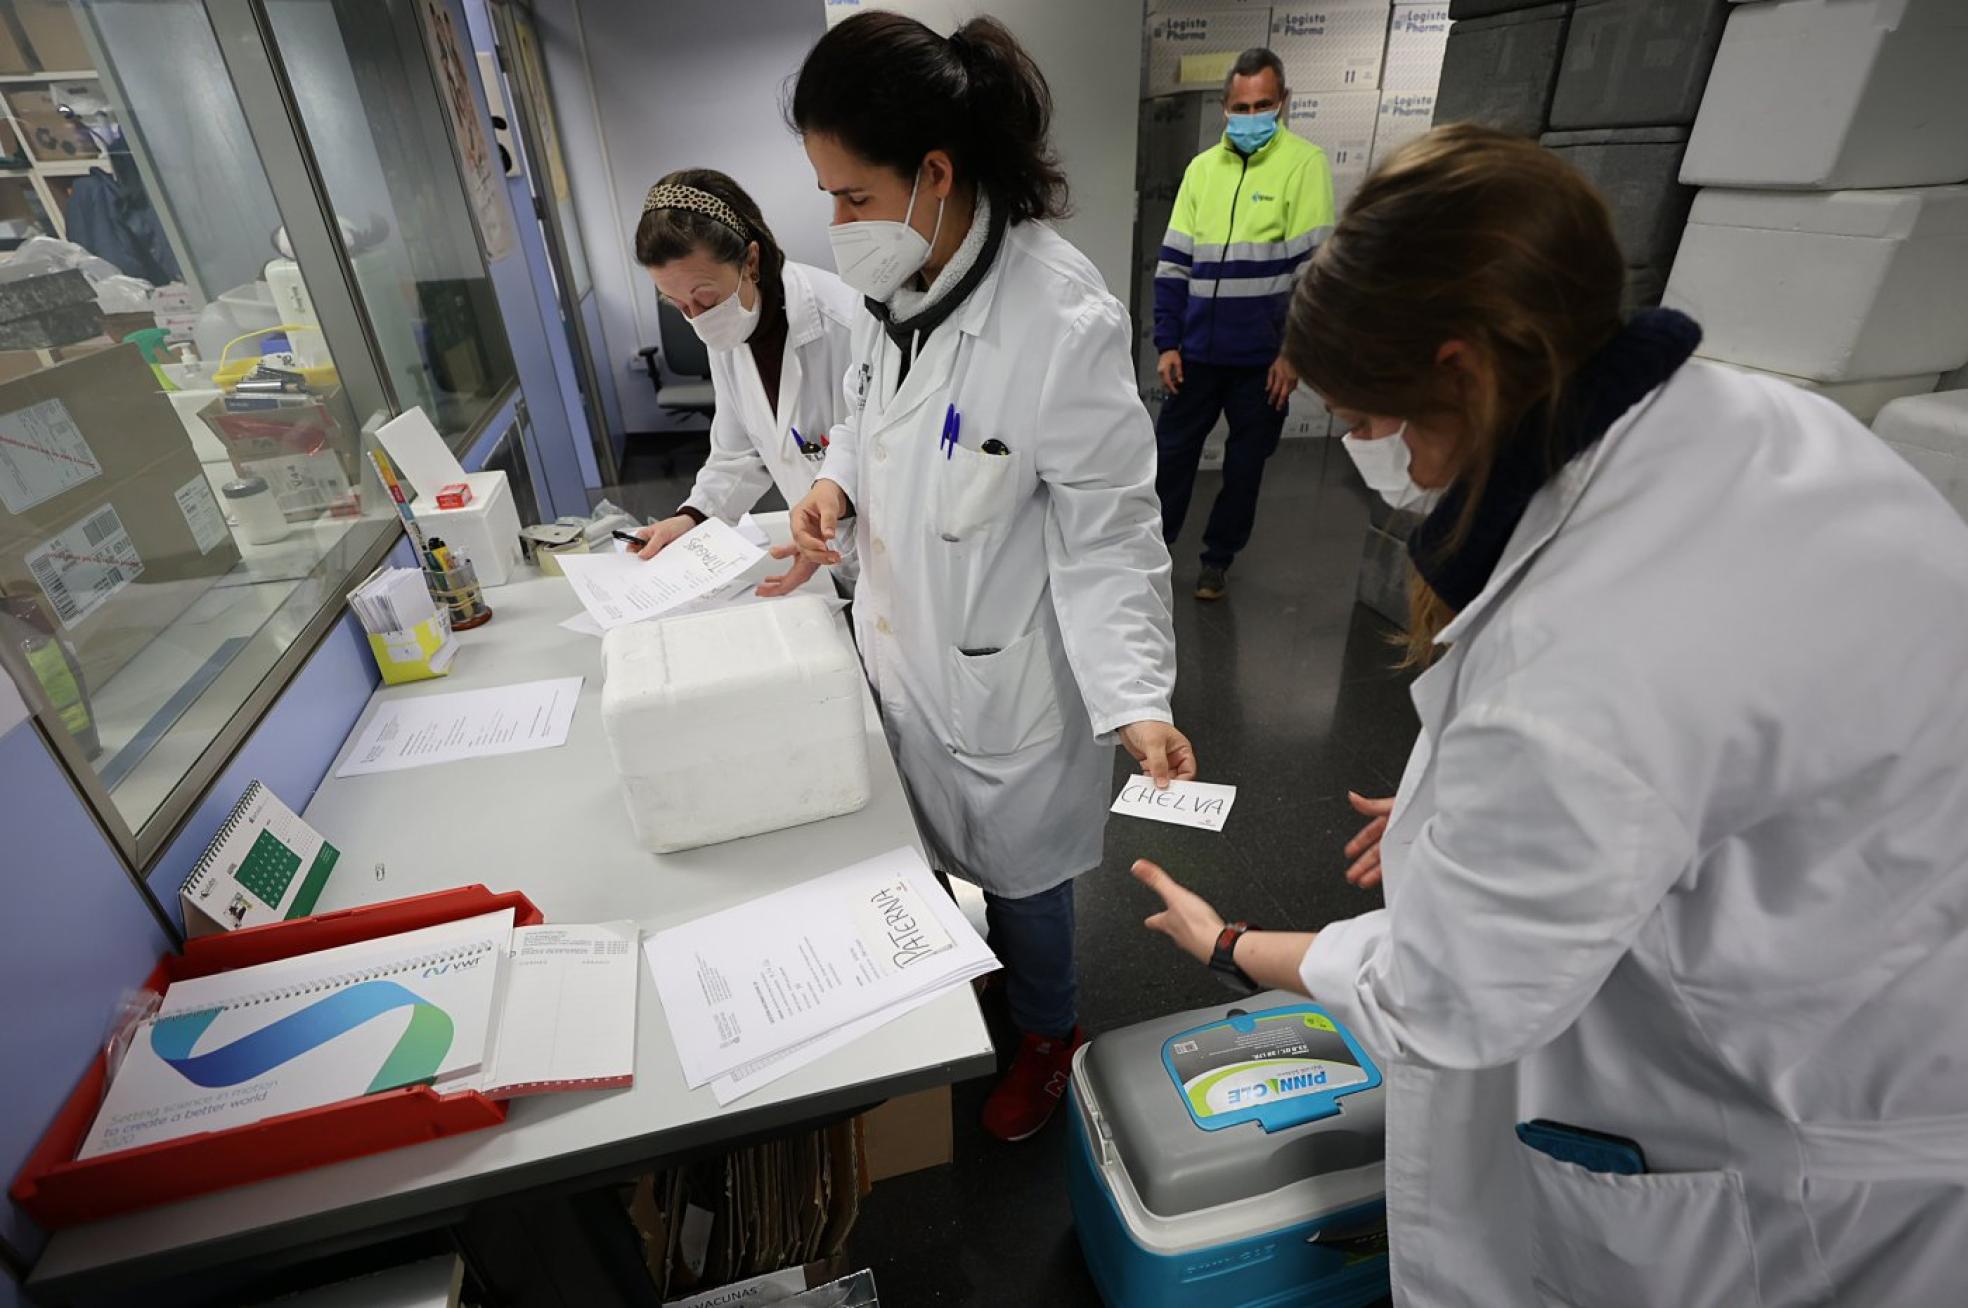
{"x": 106, "y": 517}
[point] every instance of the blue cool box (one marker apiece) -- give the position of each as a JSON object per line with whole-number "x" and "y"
{"x": 1231, "y": 1158}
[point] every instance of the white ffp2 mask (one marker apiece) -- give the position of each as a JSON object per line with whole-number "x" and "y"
{"x": 727, "y": 324}
{"x": 1383, "y": 465}
{"x": 876, "y": 255}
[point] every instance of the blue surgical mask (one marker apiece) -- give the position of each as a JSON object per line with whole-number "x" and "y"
{"x": 1252, "y": 132}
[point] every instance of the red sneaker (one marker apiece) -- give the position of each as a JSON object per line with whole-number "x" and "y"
{"x": 1024, "y": 1100}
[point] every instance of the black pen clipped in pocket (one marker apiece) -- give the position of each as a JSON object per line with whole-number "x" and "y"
{"x": 994, "y": 446}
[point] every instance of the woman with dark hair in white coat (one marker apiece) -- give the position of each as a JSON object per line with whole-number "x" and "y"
{"x": 1013, "y": 607}
{"x": 1677, "y": 877}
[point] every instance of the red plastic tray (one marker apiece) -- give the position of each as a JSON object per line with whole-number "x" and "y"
{"x": 56, "y": 1189}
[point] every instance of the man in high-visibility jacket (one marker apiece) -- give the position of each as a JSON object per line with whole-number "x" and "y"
{"x": 1251, "y": 210}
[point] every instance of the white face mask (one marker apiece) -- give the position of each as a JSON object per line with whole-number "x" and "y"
{"x": 1383, "y": 464}
{"x": 875, "y": 256}
{"x": 727, "y": 324}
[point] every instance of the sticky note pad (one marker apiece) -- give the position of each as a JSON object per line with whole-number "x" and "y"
{"x": 1209, "y": 69}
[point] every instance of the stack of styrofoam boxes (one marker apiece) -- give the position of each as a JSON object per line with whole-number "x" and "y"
{"x": 1332, "y": 54}
{"x": 1830, "y": 244}
{"x": 1192, "y": 43}
{"x": 1501, "y": 63}
{"x": 1417, "y": 42}
{"x": 1629, "y": 83}
{"x": 1168, "y": 129}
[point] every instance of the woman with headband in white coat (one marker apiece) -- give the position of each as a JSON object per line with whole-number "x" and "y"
{"x": 779, "y": 335}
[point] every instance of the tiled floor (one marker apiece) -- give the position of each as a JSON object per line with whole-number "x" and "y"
{"x": 1287, "y": 690}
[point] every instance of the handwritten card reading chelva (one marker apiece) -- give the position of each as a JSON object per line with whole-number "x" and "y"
{"x": 1185, "y": 803}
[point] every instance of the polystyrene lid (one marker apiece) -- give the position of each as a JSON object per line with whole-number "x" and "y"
{"x": 1906, "y": 213}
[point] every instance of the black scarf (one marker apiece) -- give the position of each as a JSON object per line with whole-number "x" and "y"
{"x": 903, "y": 330}
{"x": 1624, "y": 371}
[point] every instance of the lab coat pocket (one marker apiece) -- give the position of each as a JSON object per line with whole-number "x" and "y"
{"x": 973, "y": 492}
{"x": 1657, "y": 1240}
{"x": 1003, "y": 701}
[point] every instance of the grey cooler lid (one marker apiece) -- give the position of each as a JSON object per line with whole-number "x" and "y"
{"x": 1179, "y": 1167}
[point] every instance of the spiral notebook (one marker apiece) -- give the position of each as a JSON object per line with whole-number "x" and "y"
{"x": 264, "y": 865}
{"x": 242, "y": 1046}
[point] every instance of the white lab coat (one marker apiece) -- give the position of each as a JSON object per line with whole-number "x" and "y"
{"x": 1682, "y": 855}
{"x": 752, "y": 443}
{"x": 1049, "y": 557}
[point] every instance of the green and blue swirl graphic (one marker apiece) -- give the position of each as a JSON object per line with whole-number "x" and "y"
{"x": 417, "y": 1055}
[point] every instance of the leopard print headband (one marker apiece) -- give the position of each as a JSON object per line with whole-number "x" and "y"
{"x": 674, "y": 196}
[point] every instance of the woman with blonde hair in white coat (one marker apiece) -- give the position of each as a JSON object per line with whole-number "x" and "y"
{"x": 1669, "y": 986}
{"x": 779, "y": 336}
{"x": 1013, "y": 607}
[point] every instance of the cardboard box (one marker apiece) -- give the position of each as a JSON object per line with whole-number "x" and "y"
{"x": 51, "y": 137}
{"x": 1336, "y": 46}
{"x": 907, "y": 1134}
{"x": 1404, "y": 115}
{"x": 1341, "y": 123}
{"x": 1417, "y": 41}
{"x": 1194, "y": 50}
{"x": 105, "y": 513}
{"x": 54, "y": 34}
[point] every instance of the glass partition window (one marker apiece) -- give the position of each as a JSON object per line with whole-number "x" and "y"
{"x": 363, "y": 81}
{"x": 185, "y": 492}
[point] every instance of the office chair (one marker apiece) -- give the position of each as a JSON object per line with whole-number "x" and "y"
{"x": 689, "y": 363}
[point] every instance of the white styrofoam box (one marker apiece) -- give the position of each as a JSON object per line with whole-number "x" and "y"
{"x": 1417, "y": 38}
{"x": 734, "y": 721}
{"x": 1862, "y": 399}
{"x": 1838, "y": 286}
{"x": 1176, "y": 37}
{"x": 1836, "y": 94}
{"x": 1335, "y": 46}
{"x": 486, "y": 531}
{"x": 1403, "y": 116}
{"x": 1931, "y": 433}
{"x": 1342, "y": 124}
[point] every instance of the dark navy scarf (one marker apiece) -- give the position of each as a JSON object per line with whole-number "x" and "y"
{"x": 1624, "y": 371}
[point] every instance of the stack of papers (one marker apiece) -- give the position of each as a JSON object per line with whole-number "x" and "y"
{"x": 710, "y": 560}
{"x": 760, "y": 990}
{"x": 392, "y": 599}
{"x": 468, "y": 1005}
{"x": 410, "y": 636}
{"x": 567, "y": 1004}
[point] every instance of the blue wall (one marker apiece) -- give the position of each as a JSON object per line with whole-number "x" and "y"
{"x": 77, "y": 933}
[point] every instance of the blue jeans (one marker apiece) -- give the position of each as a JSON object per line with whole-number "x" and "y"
{"x": 1255, "y": 427}
{"x": 1033, "y": 937}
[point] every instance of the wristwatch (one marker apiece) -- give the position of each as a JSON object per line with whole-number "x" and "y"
{"x": 1223, "y": 959}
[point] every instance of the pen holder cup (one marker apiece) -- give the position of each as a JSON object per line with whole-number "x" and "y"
{"x": 457, "y": 589}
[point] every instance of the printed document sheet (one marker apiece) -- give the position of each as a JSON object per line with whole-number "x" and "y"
{"x": 759, "y": 979}
{"x": 414, "y": 732}
{"x": 617, "y": 589}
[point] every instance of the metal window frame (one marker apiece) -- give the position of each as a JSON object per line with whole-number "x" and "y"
{"x": 507, "y": 15}
{"x": 244, "y": 33}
